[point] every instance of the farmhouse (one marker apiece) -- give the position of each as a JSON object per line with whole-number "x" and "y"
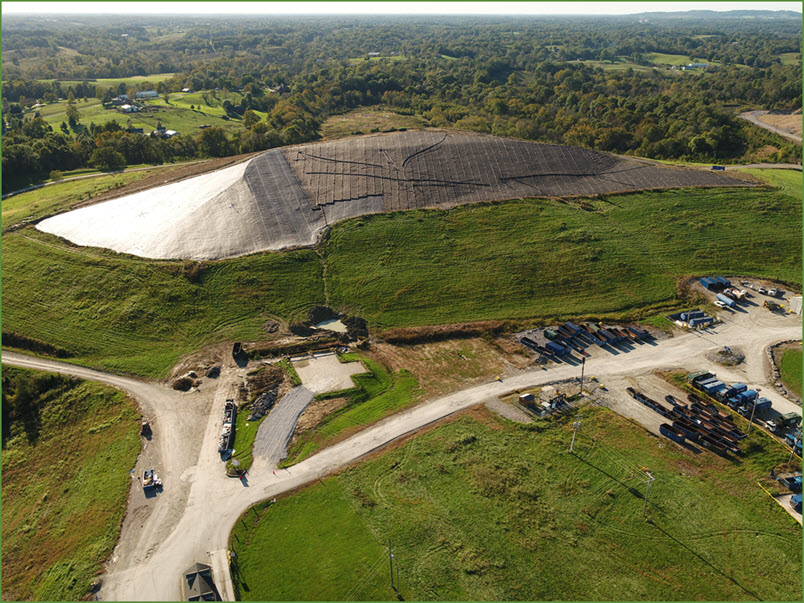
{"x": 147, "y": 94}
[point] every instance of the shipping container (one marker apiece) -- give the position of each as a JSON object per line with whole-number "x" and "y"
{"x": 706, "y": 282}
{"x": 572, "y": 327}
{"x": 557, "y": 349}
{"x": 639, "y": 332}
{"x": 550, "y": 334}
{"x": 671, "y": 432}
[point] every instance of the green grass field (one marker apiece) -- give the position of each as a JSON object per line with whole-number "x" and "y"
{"x": 790, "y": 58}
{"x": 518, "y": 260}
{"x": 485, "y": 509}
{"x": 788, "y": 181}
{"x": 66, "y": 477}
{"x": 133, "y": 315}
{"x": 376, "y": 395}
{"x": 62, "y": 196}
{"x": 116, "y": 81}
{"x": 365, "y": 121}
{"x": 790, "y": 370}
{"x": 540, "y": 258}
{"x": 245, "y": 433}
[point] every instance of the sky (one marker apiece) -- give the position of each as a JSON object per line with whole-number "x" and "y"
{"x": 383, "y": 8}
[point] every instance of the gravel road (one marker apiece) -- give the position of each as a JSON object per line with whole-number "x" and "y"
{"x": 273, "y": 435}
{"x": 150, "y": 561}
{"x": 753, "y": 117}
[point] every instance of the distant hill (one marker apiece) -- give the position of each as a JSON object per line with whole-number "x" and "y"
{"x": 731, "y": 14}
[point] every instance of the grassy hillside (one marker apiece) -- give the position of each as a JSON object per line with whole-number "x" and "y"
{"x": 787, "y": 181}
{"x": 532, "y": 258}
{"x": 484, "y": 509}
{"x": 127, "y": 314}
{"x": 790, "y": 369}
{"x": 62, "y": 196}
{"x": 520, "y": 259}
{"x": 68, "y": 446}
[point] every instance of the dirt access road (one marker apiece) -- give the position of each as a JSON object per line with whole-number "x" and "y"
{"x": 754, "y": 118}
{"x": 149, "y": 560}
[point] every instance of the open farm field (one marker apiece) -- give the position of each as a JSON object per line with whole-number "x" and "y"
{"x": 482, "y": 508}
{"x": 790, "y": 369}
{"x": 68, "y": 446}
{"x": 543, "y": 258}
{"x": 787, "y": 181}
{"x": 132, "y": 315}
{"x": 60, "y": 108}
{"x": 366, "y": 121}
{"x": 790, "y": 58}
{"x": 134, "y": 80}
{"x": 62, "y": 196}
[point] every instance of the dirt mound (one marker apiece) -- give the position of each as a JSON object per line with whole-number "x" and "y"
{"x": 282, "y": 199}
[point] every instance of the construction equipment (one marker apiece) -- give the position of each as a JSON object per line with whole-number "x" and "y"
{"x": 772, "y": 306}
{"x": 150, "y": 480}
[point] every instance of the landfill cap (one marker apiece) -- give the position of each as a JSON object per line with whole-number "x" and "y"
{"x": 213, "y": 216}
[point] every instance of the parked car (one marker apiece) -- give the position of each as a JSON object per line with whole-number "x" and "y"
{"x": 773, "y": 292}
{"x": 761, "y": 290}
{"x": 719, "y": 304}
{"x": 747, "y": 284}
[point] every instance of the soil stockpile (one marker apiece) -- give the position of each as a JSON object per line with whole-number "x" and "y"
{"x": 284, "y": 198}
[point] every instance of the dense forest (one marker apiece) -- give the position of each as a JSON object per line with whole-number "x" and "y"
{"x": 609, "y": 83}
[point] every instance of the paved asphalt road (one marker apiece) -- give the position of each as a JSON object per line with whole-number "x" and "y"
{"x": 151, "y": 563}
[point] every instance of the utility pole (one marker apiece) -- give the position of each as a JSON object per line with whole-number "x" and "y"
{"x": 583, "y": 365}
{"x": 647, "y": 491}
{"x": 391, "y": 561}
{"x": 577, "y": 425}
{"x": 753, "y": 410}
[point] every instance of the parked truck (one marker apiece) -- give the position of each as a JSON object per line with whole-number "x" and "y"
{"x": 783, "y": 422}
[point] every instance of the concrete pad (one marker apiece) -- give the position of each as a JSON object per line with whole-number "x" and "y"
{"x": 323, "y": 373}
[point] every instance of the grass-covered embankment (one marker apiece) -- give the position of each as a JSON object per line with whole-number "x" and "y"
{"x": 484, "y": 509}
{"x": 376, "y": 395}
{"x": 68, "y": 447}
{"x": 619, "y": 257}
{"x": 790, "y": 369}
{"x": 128, "y": 314}
{"x": 546, "y": 258}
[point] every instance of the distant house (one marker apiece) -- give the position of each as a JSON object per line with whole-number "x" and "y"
{"x": 147, "y": 94}
{"x": 130, "y": 108}
{"x": 187, "y": 90}
{"x": 374, "y": 54}
{"x": 170, "y": 133}
{"x": 698, "y": 65}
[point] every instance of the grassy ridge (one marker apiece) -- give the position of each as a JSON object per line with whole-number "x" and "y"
{"x": 490, "y": 510}
{"x": 790, "y": 369}
{"x": 66, "y": 463}
{"x": 529, "y": 258}
{"x": 128, "y": 314}
{"x": 787, "y": 181}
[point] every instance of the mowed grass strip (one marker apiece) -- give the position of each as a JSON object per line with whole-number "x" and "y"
{"x": 62, "y": 196}
{"x": 484, "y": 509}
{"x": 790, "y": 369}
{"x": 545, "y": 258}
{"x": 787, "y": 181}
{"x": 66, "y": 463}
{"x": 128, "y": 314}
{"x": 376, "y": 395}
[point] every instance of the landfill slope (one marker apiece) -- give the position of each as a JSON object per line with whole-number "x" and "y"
{"x": 285, "y": 198}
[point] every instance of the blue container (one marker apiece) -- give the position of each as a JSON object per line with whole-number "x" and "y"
{"x": 747, "y": 396}
{"x": 710, "y": 388}
{"x": 572, "y": 327}
{"x": 726, "y": 300}
{"x": 706, "y": 282}
{"x": 723, "y": 281}
{"x": 557, "y": 349}
{"x": 739, "y": 387}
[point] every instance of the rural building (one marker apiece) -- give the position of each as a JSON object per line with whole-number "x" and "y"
{"x": 147, "y": 94}
{"x": 698, "y": 65}
{"x": 129, "y": 108}
{"x": 187, "y": 90}
{"x": 795, "y": 305}
{"x": 197, "y": 585}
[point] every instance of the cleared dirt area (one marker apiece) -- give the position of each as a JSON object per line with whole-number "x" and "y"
{"x": 323, "y": 373}
{"x": 445, "y": 366}
{"x": 286, "y": 198}
{"x": 791, "y": 122}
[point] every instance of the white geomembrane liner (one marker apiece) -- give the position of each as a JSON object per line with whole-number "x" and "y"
{"x": 161, "y": 222}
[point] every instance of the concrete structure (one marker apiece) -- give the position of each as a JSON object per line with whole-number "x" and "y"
{"x": 795, "y": 305}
